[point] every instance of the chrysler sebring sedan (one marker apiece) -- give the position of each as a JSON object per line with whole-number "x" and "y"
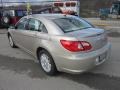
{"x": 60, "y": 42}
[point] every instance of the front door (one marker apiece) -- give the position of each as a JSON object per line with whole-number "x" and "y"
{"x": 29, "y": 36}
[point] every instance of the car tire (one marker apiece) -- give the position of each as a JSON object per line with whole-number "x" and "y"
{"x": 11, "y": 42}
{"x": 47, "y": 63}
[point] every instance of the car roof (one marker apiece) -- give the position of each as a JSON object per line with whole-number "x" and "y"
{"x": 47, "y": 20}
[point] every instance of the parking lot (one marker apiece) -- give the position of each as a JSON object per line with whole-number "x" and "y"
{"x": 19, "y": 71}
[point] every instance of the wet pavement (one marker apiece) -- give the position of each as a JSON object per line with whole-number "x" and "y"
{"x": 3, "y": 31}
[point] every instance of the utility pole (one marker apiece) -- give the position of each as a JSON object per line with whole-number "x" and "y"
{"x": 78, "y": 7}
{"x": 28, "y": 7}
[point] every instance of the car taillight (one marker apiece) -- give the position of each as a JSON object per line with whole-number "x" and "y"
{"x": 76, "y": 46}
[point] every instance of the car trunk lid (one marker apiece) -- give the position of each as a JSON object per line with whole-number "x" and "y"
{"x": 96, "y": 37}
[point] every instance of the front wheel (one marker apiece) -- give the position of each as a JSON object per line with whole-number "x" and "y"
{"x": 46, "y": 62}
{"x": 11, "y": 42}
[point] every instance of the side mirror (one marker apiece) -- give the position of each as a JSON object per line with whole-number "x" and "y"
{"x": 12, "y": 27}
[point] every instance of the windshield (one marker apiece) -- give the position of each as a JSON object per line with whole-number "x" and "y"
{"x": 72, "y": 24}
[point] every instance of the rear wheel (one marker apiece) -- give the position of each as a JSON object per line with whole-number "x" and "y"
{"x": 11, "y": 42}
{"x": 46, "y": 62}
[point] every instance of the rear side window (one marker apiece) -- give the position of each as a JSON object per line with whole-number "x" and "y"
{"x": 71, "y": 24}
{"x": 43, "y": 28}
{"x": 34, "y": 25}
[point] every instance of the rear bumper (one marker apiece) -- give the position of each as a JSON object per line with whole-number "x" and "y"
{"x": 79, "y": 63}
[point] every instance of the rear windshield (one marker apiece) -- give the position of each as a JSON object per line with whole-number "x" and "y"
{"x": 72, "y": 24}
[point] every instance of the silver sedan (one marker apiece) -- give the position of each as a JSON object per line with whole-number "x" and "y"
{"x": 60, "y": 42}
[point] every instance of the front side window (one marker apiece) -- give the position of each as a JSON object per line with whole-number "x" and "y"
{"x": 71, "y": 24}
{"x": 21, "y": 24}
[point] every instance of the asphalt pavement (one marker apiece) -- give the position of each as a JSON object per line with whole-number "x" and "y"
{"x": 19, "y": 71}
{"x": 3, "y": 31}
